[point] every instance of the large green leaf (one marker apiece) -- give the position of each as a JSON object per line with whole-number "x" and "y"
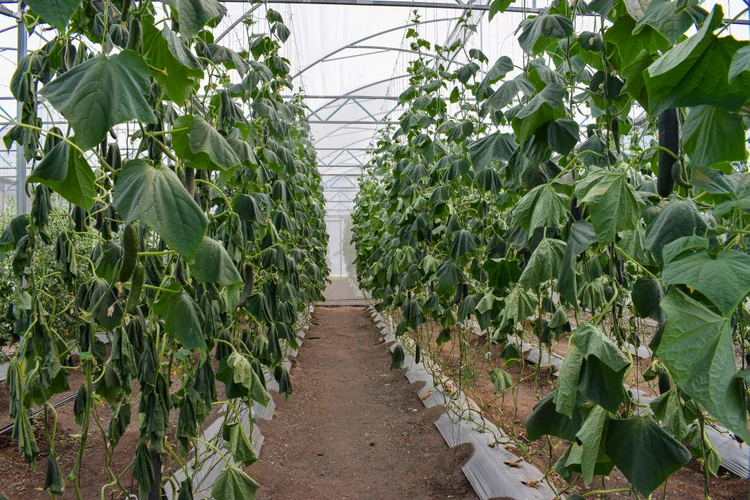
{"x": 491, "y": 148}
{"x": 57, "y": 13}
{"x": 645, "y": 453}
{"x": 193, "y": 15}
{"x": 544, "y": 263}
{"x": 164, "y": 50}
{"x": 200, "y": 143}
{"x": 213, "y": 265}
{"x": 65, "y": 171}
{"x": 232, "y": 484}
{"x": 544, "y": 107}
{"x": 101, "y": 93}
{"x": 695, "y": 72}
{"x": 614, "y": 207}
{"x": 697, "y": 349}
{"x": 541, "y": 207}
{"x": 712, "y": 135}
{"x": 156, "y": 197}
{"x": 725, "y": 280}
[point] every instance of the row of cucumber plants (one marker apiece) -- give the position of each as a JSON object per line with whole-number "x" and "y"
{"x": 199, "y": 186}
{"x": 596, "y": 185}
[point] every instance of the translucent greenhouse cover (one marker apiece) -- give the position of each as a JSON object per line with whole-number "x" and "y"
{"x": 349, "y": 60}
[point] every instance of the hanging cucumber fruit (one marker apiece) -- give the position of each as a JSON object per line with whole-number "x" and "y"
{"x": 669, "y": 139}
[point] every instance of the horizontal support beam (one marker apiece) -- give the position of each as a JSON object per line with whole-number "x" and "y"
{"x": 353, "y": 122}
{"x": 397, "y": 3}
{"x": 343, "y": 149}
{"x": 352, "y": 97}
{"x": 424, "y": 5}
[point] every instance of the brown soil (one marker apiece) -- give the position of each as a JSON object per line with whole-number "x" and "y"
{"x": 353, "y": 429}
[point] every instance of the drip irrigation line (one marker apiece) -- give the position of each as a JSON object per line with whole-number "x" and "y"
{"x": 71, "y": 396}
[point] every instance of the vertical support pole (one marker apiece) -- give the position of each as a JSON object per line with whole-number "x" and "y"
{"x": 21, "y": 201}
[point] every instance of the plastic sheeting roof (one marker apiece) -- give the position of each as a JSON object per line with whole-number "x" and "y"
{"x": 349, "y": 57}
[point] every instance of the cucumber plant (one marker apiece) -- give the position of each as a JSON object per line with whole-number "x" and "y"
{"x": 180, "y": 158}
{"x": 537, "y": 197}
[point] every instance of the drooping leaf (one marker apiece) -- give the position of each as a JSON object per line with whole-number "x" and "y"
{"x": 498, "y": 6}
{"x": 449, "y": 274}
{"x": 57, "y": 13}
{"x": 164, "y": 50}
{"x": 547, "y": 421}
{"x": 463, "y": 243}
{"x": 546, "y": 106}
{"x": 678, "y": 219}
{"x": 232, "y": 483}
{"x": 212, "y": 264}
{"x": 613, "y": 202}
{"x": 696, "y": 347}
{"x": 193, "y": 15}
{"x": 501, "y": 380}
{"x": 201, "y": 144}
{"x": 183, "y": 320}
{"x": 630, "y": 45}
{"x": 580, "y": 237}
{"x": 539, "y": 31}
{"x": 669, "y": 19}
{"x": 508, "y": 91}
{"x": 591, "y": 436}
{"x": 101, "y": 93}
{"x": 562, "y": 135}
{"x": 65, "y": 171}
{"x": 155, "y": 196}
{"x": 645, "y": 453}
{"x": 491, "y": 148}
{"x": 541, "y": 207}
{"x": 502, "y": 67}
{"x": 668, "y": 409}
{"x": 544, "y": 263}
{"x": 646, "y": 296}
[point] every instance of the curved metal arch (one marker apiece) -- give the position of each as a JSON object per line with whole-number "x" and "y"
{"x": 369, "y": 37}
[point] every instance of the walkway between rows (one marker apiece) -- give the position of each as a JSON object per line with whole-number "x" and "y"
{"x": 352, "y": 429}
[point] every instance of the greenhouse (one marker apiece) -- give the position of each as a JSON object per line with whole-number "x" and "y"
{"x": 374, "y": 249}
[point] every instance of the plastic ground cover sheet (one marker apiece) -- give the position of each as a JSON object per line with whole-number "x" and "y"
{"x": 204, "y": 467}
{"x": 493, "y": 471}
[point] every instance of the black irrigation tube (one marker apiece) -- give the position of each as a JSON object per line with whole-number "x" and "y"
{"x": 64, "y": 400}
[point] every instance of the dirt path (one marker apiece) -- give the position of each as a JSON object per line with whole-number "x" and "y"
{"x": 352, "y": 429}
